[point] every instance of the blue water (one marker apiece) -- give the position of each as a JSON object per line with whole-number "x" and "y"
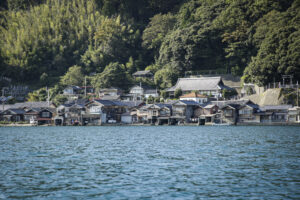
{"x": 169, "y": 162}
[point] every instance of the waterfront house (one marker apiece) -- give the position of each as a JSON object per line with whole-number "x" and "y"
{"x": 165, "y": 112}
{"x": 31, "y": 114}
{"x": 274, "y": 113}
{"x": 110, "y": 111}
{"x": 141, "y": 114}
{"x": 229, "y": 113}
{"x": 207, "y": 112}
{"x": 211, "y": 86}
{"x": 194, "y": 96}
{"x": 183, "y": 112}
{"x": 143, "y": 74}
{"x": 249, "y": 113}
{"x": 294, "y": 115}
{"x": 45, "y": 116}
{"x": 74, "y": 113}
{"x": 158, "y": 112}
{"x": 126, "y": 118}
{"x": 13, "y": 115}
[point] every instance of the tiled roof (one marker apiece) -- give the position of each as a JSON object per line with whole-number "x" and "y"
{"x": 203, "y": 83}
{"x": 105, "y": 102}
{"x": 17, "y": 111}
{"x": 162, "y": 105}
{"x": 193, "y": 95}
{"x": 37, "y": 104}
{"x": 278, "y": 107}
{"x": 109, "y": 97}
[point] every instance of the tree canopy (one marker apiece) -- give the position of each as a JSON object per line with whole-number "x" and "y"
{"x": 41, "y": 40}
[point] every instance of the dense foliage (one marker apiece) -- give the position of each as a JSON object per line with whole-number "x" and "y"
{"x": 111, "y": 39}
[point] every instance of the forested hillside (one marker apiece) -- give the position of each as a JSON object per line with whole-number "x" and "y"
{"x": 44, "y": 42}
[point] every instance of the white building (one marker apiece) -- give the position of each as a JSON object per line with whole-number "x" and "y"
{"x": 199, "y": 98}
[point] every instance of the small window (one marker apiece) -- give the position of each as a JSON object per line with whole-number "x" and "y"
{"x": 45, "y": 114}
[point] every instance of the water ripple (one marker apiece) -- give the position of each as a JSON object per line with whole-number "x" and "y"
{"x": 150, "y": 163}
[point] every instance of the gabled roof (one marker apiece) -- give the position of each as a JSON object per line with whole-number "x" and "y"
{"x": 119, "y": 103}
{"x": 141, "y": 73}
{"x": 132, "y": 104}
{"x": 203, "y": 83}
{"x": 193, "y": 95}
{"x": 232, "y": 106}
{"x": 164, "y": 105}
{"x": 33, "y": 110}
{"x": 105, "y": 102}
{"x": 109, "y": 97}
{"x": 253, "y": 106}
{"x": 34, "y": 104}
{"x": 15, "y": 111}
{"x": 224, "y": 103}
{"x": 188, "y": 103}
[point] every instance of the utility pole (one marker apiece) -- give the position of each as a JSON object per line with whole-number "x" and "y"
{"x": 85, "y": 87}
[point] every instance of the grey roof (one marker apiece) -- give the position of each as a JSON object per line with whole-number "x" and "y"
{"x": 105, "y": 102}
{"x": 162, "y": 105}
{"x": 190, "y": 103}
{"x": 132, "y": 104}
{"x": 109, "y": 97}
{"x": 16, "y": 111}
{"x": 34, "y": 110}
{"x": 276, "y": 107}
{"x": 37, "y": 104}
{"x": 224, "y": 103}
{"x": 203, "y": 83}
{"x": 140, "y": 73}
{"x": 119, "y": 103}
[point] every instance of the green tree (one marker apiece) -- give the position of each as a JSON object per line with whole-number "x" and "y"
{"x": 113, "y": 75}
{"x": 227, "y": 93}
{"x": 177, "y": 93}
{"x": 38, "y": 95}
{"x": 74, "y": 76}
{"x": 59, "y": 99}
{"x": 150, "y": 100}
{"x": 158, "y": 27}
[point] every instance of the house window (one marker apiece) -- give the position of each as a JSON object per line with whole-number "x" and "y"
{"x": 45, "y": 114}
{"x": 154, "y": 112}
{"x": 228, "y": 112}
{"x": 245, "y": 112}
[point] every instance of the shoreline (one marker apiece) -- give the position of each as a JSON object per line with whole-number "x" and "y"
{"x": 190, "y": 124}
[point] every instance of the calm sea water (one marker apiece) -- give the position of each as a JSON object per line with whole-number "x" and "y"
{"x": 150, "y": 162}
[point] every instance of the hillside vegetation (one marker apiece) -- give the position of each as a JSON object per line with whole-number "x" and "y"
{"x": 41, "y": 40}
